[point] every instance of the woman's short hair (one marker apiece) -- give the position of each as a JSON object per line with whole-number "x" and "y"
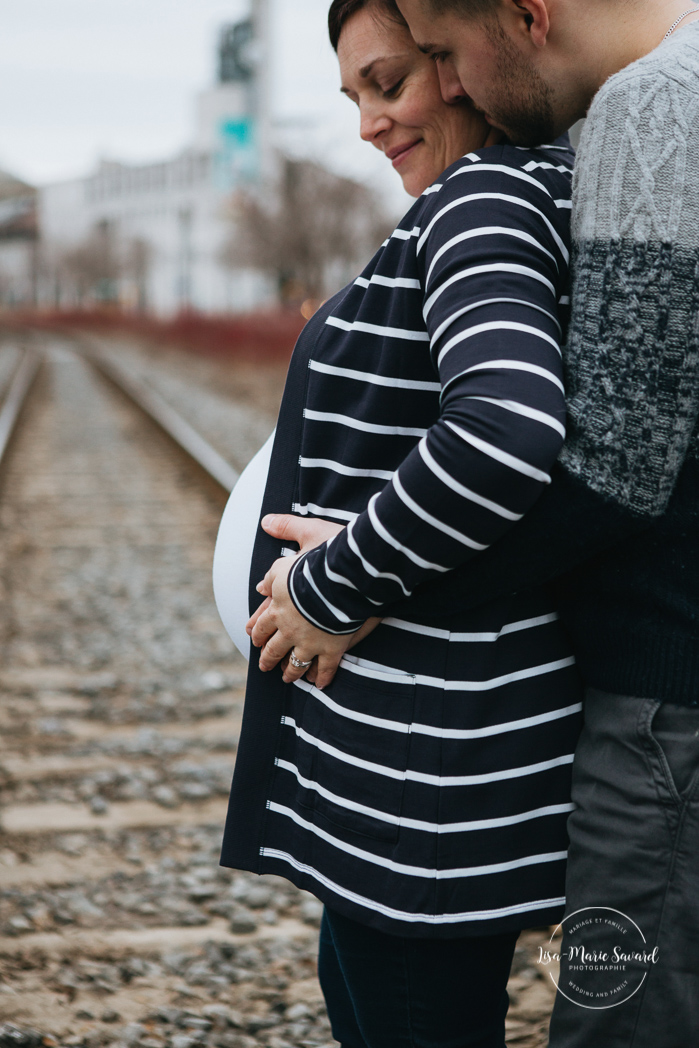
{"x": 342, "y": 10}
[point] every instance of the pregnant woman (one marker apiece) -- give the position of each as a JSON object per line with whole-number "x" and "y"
{"x": 422, "y": 795}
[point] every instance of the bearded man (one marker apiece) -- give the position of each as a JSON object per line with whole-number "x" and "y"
{"x": 617, "y": 531}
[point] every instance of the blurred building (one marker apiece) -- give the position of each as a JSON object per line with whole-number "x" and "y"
{"x": 18, "y": 241}
{"x": 152, "y": 236}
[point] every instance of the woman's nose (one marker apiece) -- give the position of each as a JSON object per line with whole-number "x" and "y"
{"x": 372, "y": 123}
{"x": 449, "y": 82}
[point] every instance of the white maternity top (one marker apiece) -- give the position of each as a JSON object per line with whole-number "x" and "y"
{"x": 234, "y": 546}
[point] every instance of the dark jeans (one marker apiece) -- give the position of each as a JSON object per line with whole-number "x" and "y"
{"x": 634, "y": 846}
{"x": 384, "y": 991}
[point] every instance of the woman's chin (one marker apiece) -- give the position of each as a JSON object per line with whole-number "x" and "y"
{"x": 415, "y": 183}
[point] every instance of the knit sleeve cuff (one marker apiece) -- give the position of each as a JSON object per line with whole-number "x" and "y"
{"x": 331, "y": 604}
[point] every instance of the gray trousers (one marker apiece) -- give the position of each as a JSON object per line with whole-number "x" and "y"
{"x": 634, "y": 846}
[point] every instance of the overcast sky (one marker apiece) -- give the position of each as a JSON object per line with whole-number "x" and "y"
{"x": 84, "y": 79}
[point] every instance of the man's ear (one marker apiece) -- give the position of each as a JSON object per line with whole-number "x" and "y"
{"x": 531, "y": 17}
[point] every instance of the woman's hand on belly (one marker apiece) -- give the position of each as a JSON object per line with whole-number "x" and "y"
{"x": 308, "y": 532}
{"x": 277, "y": 628}
{"x": 281, "y": 628}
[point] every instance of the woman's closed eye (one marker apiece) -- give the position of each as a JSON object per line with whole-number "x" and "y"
{"x": 439, "y": 56}
{"x": 391, "y": 92}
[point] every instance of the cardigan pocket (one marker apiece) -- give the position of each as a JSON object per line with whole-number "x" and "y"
{"x": 356, "y": 737}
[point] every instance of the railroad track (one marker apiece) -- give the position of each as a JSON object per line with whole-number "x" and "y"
{"x": 18, "y": 387}
{"x": 120, "y": 707}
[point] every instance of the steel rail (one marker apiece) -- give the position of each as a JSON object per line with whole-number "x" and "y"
{"x": 169, "y": 420}
{"x": 17, "y": 392}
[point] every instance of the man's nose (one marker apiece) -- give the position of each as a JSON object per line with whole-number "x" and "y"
{"x": 449, "y": 82}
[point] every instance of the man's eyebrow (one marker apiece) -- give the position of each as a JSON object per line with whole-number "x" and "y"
{"x": 365, "y": 70}
{"x": 427, "y": 49}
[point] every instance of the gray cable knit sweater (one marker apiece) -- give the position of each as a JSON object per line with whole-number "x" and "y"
{"x": 618, "y": 529}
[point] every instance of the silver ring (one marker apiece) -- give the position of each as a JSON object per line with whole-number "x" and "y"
{"x": 296, "y": 662}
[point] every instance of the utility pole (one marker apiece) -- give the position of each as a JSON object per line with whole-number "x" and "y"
{"x": 260, "y": 15}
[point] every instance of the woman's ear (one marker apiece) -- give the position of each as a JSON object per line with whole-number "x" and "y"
{"x": 533, "y": 19}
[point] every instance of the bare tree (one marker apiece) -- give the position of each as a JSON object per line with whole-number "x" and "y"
{"x": 95, "y": 266}
{"x": 137, "y": 262}
{"x": 310, "y": 226}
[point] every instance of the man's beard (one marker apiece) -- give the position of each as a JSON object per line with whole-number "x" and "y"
{"x": 523, "y": 106}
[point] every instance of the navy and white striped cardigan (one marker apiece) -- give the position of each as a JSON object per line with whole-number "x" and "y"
{"x": 424, "y": 407}
{"x": 476, "y": 274}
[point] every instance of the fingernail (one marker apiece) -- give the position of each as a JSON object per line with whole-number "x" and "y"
{"x": 268, "y": 520}
{"x": 258, "y": 587}
{"x": 287, "y": 680}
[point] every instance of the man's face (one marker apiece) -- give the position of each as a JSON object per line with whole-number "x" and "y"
{"x": 478, "y": 58}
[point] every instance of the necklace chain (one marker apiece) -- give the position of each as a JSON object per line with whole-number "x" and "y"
{"x": 673, "y": 27}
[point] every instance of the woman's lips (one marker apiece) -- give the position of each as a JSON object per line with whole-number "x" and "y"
{"x": 398, "y": 154}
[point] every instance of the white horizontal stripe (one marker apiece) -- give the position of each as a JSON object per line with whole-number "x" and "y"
{"x": 375, "y": 380}
{"x": 369, "y": 567}
{"x": 430, "y": 730}
{"x": 442, "y": 781}
{"x": 504, "y": 170}
{"x": 413, "y": 871}
{"x": 407, "y": 282}
{"x": 492, "y": 267}
{"x": 289, "y": 552}
{"x": 498, "y": 455}
{"x": 486, "y": 231}
{"x": 470, "y": 638}
{"x": 346, "y": 471}
{"x": 491, "y": 302}
{"x": 496, "y": 325}
{"x": 405, "y": 915}
{"x": 378, "y": 329}
{"x": 366, "y": 427}
{"x": 421, "y": 824}
{"x": 474, "y": 157}
{"x": 333, "y": 576}
{"x": 517, "y": 201}
{"x": 549, "y": 146}
{"x": 402, "y": 727}
{"x": 564, "y": 300}
{"x": 512, "y": 365}
{"x": 405, "y": 234}
{"x": 465, "y": 492}
{"x": 323, "y": 511}
{"x": 524, "y": 410}
{"x": 478, "y": 685}
{"x": 545, "y": 165}
{"x": 432, "y": 189}
{"x": 386, "y": 535}
{"x": 565, "y": 205}
{"x": 422, "y": 514}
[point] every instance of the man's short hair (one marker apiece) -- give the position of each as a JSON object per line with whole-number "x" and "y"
{"x": 467, "y": 8}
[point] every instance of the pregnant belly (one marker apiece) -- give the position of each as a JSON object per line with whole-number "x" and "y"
{"x": 234, "y": 546}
